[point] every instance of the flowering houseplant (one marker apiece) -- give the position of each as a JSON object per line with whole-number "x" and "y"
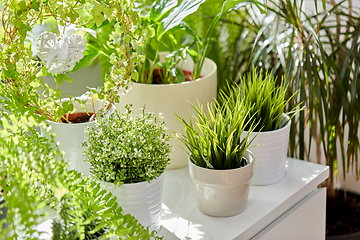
{"x": 22, "y": 87}
{"x": 128, "y": 149}
{"x": 131, "y": 151}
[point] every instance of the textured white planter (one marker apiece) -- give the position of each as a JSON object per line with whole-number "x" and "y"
{"x": 222, "y": 193}
{"x": 174, "y": 98}
{"x": 142, "y": 200}
{"x": 71, "y": 137}
{"x": 270, "y": 154}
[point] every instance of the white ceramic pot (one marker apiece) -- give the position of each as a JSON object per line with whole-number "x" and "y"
{"x": 174, "y": 98}
{"x": 71, "y": 137}
{"x": 222, "y": 193}
{"x": 142, "y": 200}
{"x": 270, "y": 154}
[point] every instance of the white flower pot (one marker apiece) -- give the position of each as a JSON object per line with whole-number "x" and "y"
{"x": 71, "y": 136}
{"x": 270, "y": 154}
{"x": 174, "y": 98}
{"x": 222, "y": 193}
{"x": 142, "y": 200}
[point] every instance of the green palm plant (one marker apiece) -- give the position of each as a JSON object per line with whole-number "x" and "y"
{"x": 320, "y": 61}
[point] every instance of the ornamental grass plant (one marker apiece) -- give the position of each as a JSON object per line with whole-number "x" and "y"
{"x": 214, "y": 139}
{"x": 128, "y": 149}
{"x": 264, "y": 97}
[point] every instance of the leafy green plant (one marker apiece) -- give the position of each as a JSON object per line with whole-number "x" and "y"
{"x": 22, "y": 84}
{"x": 167, "y": 19}
{"x": 128, "y": 149}
{"x": 34, "y": 176}
{"x": 265, "y": 99}
{"x": 317, "y": 53}
{"x": 215, "y": 139}
{"x": 88, "y": 212}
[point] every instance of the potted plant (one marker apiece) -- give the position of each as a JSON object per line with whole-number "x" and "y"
{"x": 34, "y": 178}
{"x": 162, "y": 83}
{"x": 128, "y": 155}
{"x": 315, "y": 48}
{"x": 220, "y": 164}
{"x": 266, "y": 101}
{"x": 25, "y": 91}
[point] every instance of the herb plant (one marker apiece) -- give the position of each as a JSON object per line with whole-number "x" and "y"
{"x": 214, "y": 139}
{"x": 128, "y": 149}
{"x": 265, "y": 99}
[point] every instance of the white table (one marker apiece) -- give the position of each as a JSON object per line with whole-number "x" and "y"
{"x": 291, "y": 209}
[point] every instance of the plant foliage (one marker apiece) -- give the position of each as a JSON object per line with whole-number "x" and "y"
{"x": 215, "y": 139}
{"x": 265, "y": 99}
{"x": 21, "y": 74}
{"x": 128, "y": 149}
{"x": 318, "y": 55}
{"x": 34, "y": 176}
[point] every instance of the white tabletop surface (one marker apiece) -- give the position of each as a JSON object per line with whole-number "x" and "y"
{"x": 181, "y": 218}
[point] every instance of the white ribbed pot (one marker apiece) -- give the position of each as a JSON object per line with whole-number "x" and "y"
{"x": 270, "y": 154}
{"x": 71, "y": 137}
{"x": 174, "y": 98}
{"x": 3, "y": 213}
{"x": 142, "y": 200}
{"x": 222, "y": 193}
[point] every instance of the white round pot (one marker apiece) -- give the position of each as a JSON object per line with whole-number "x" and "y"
{"x": 142, "y": 200}
{"x": 174, "y": 98}
{"x": 222, "y": 193}
{"x": 270, "y": 154}
{"x": 71, "y": 136}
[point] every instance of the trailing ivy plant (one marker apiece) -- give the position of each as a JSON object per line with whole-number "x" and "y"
{"x": 123, "y": 148}
{"x": 34, "y": 175}
{"x": 215, "y": 138}
{"x": 21, "y": 83}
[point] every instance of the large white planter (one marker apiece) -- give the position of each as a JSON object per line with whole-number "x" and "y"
{"x": 270, "y": 150}
{"x": 174, "y": 98}
{"x": 142, "y": 200}
{"x": 71, "y": 136}
{"x": 222, "y": 193}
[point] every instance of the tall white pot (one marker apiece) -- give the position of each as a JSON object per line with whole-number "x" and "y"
{"x": 142, "y": 200}
{"x": 222, "y": 193}
{"x": 71, "y": 136}
{"x": 174, "y": 98}
{"x": 270, "y": 154}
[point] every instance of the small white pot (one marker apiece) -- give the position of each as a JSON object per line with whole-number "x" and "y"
{"x": 174, "y": 98}
{"x": 270, "y": 154}
{"x": 142, "y": 200}
{"x": 222, "y": 193}
{"x": 71, "y": 137}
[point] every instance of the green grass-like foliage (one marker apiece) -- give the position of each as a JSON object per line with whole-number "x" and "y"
{"x": 128, "y": 149}
{"x": 264, "y": 97}
{"x": 214, "y": 138}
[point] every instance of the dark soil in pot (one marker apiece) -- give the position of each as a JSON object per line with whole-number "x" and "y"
{"x": 343, "y": 216}
{"x": 80, "y": 117}
{"x": 158, "y": 80}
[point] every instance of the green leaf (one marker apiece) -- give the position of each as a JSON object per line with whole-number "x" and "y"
{"x": 175, "y": 17}
{"x": 67, "y": 78}
{"x": 160, "y": 7}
